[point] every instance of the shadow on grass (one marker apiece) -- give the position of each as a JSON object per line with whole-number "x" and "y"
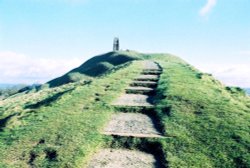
{"x": 4, "y": 121}
{"x": 47, "y": 101}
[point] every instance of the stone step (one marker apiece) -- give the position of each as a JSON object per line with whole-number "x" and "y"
{"x": 139, "y": 90}
{"x": 123, "y": 158}
{"x": 134, "y": 100}
{"x": 133, "y": 135}
{"x": 147, "y": 78}
{"x": 132, "y": 124}
{"x": 152, "y": 69}
{"x": 151, "y": 65}
{"x": 134, "y": 109}
{"x": 144, "y": 83}
{"x": 151, "y": 72}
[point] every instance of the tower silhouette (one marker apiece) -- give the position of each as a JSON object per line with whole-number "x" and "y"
{"x": 116, "y": 45}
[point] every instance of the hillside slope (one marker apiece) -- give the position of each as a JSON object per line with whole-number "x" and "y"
{"x": 205, "y": 123}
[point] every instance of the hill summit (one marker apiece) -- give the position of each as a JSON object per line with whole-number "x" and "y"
{"x": 127, "y": 109}
{"x": 96, "y": 66}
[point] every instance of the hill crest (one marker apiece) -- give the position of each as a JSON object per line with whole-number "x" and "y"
{"x": 96, "y": 66}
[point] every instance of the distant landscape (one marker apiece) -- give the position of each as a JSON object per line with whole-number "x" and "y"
{"x": 248, "y": 91}
{"x": 7, "y": 90}
{"x": 4, "y": 85}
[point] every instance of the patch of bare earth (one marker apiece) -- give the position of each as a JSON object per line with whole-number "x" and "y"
{"x": 122, "y": 158}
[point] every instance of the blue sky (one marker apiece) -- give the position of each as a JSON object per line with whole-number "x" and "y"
{"x": 42, "y": 39}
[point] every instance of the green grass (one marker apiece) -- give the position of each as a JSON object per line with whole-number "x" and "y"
{"x": 64, "y": 131}
{"x": 207, "y": 124}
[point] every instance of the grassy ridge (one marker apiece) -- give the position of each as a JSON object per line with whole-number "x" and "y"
{"x": 95, "y": 67}
{"x": 64, "y": 132}
{"x": 209, "y": 123}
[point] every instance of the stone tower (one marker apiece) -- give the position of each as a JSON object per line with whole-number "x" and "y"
{"x": 116, "y": 45}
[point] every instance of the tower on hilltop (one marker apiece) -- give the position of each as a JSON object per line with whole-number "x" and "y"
{"x": 116, "y": 45}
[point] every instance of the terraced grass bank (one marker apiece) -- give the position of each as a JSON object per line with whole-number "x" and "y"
{"x": 204, "y": 123}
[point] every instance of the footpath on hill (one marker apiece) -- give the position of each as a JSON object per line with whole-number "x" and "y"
{"x": 133, "y": 113}
{"x": 132, "y": 120}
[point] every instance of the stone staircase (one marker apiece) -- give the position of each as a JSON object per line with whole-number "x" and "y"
{"x": 133, "y": 119}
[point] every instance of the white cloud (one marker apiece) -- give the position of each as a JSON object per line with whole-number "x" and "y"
{"x": 230, "y": 74}
{"x": 20, "y": 68}
{"x": 208, "y": 7}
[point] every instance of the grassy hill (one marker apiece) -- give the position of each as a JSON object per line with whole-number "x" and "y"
{"x": 206, "y": 123}
{"x": 95, "y": 67}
